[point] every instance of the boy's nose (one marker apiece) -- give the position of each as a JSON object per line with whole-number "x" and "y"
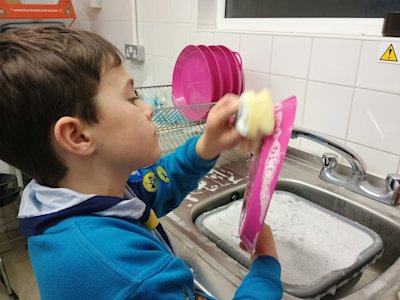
{"x": 148, "y": 111}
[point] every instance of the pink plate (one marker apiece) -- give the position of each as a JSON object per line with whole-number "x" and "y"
{"x": 192, "y": 82}
{"x": 241, "y": 73}
{"x": 225, "y": 69}
{"x": 264, "y": 172}
{"x": 236, "y": 69}
{"x": 215, "y": 72}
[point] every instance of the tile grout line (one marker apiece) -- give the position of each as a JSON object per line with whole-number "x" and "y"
{"x": 354, "y": 91}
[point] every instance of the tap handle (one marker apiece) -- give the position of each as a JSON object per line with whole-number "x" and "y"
{"x": 393, "y": 182}
{"x": 329, "y": 160}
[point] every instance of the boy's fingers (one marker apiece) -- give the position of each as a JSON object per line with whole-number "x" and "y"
{"x": 227, "y": 106}
{"x": 232, "y": 137}
{"x": 244, "y": 146}
{"x": 243, "y": 247}
{"x": 266, "y": 243}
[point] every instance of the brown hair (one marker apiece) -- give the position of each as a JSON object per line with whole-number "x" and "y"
{"x": 47, "y": 73}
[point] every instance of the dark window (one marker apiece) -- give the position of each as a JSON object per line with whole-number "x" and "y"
{"x": 309, "y": 8}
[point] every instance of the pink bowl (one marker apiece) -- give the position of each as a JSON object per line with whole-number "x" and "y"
{"x": 236, "y": 69}
{"x": 264, "y": 172}
{"x": 224, "y": 67}
{"x": 215, "y": 72}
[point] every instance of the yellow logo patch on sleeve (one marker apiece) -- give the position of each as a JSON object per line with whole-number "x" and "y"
{"x": 150, "y": 182}
{"x": 162, "y": 174}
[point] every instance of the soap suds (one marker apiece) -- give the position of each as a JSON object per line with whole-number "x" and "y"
{"x": 216, "y": 179}
{"x": 274, "y": 157}
{"x": 191, "y": 198}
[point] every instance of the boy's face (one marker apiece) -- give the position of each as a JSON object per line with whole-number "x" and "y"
{"x": 126, "y": 137}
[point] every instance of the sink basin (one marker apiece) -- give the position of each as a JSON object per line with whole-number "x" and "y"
{"x": 219, "y": 274}
{"x": 318, "y": 249}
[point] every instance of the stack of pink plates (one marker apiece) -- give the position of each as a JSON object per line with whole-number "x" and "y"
{"x": 204, "y": 74}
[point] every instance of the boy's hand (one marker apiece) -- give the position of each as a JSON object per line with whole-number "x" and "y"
{"x": 265, "y": 244}
{"x": 220, "y": 133}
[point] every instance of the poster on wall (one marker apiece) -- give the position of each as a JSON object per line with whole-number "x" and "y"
{"x": 33, "y": 11}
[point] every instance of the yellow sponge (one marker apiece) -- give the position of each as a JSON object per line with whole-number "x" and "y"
{"x": 256, "y": 114}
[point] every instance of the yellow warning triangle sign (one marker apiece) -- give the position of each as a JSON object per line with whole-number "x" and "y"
{"x": 389, "y": 54}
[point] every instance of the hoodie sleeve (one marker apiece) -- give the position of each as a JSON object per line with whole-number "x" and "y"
{"x": 166, "y": 183}
{"x": 262, "y": 282}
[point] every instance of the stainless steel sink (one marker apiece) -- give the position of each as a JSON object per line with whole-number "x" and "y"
{"x": 220, "y": 275}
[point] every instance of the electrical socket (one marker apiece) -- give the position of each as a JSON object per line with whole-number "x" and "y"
{"x": 134, "y": 52}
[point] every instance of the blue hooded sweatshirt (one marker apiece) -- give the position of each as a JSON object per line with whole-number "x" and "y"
{"x": 98, "y": 247}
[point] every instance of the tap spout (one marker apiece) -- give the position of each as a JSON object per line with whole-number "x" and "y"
{"x": 356, "y": 162}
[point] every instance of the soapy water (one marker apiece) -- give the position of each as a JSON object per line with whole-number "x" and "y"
{"x": 311, "y": 242}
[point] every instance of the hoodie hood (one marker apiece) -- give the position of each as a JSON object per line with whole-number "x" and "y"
{"x": 42, "y": 207}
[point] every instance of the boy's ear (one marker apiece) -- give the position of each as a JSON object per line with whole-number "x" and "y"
{"x": 72, "y": 136}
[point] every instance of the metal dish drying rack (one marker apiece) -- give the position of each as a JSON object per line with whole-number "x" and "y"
{"x": 175, "y": 124}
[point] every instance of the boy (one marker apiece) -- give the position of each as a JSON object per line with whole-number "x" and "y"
{"x": 69, "y": 117}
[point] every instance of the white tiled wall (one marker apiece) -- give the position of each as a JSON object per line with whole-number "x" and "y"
{"x": 256, "y": 59}
{"x": 342, "y": 91}
{"x": 374, "y": 120}
{"x": 113, "y": 21}
{"x": 327, "y": 108}
{"x": 334, "y": 60}
{"x": 291, "y": 56}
